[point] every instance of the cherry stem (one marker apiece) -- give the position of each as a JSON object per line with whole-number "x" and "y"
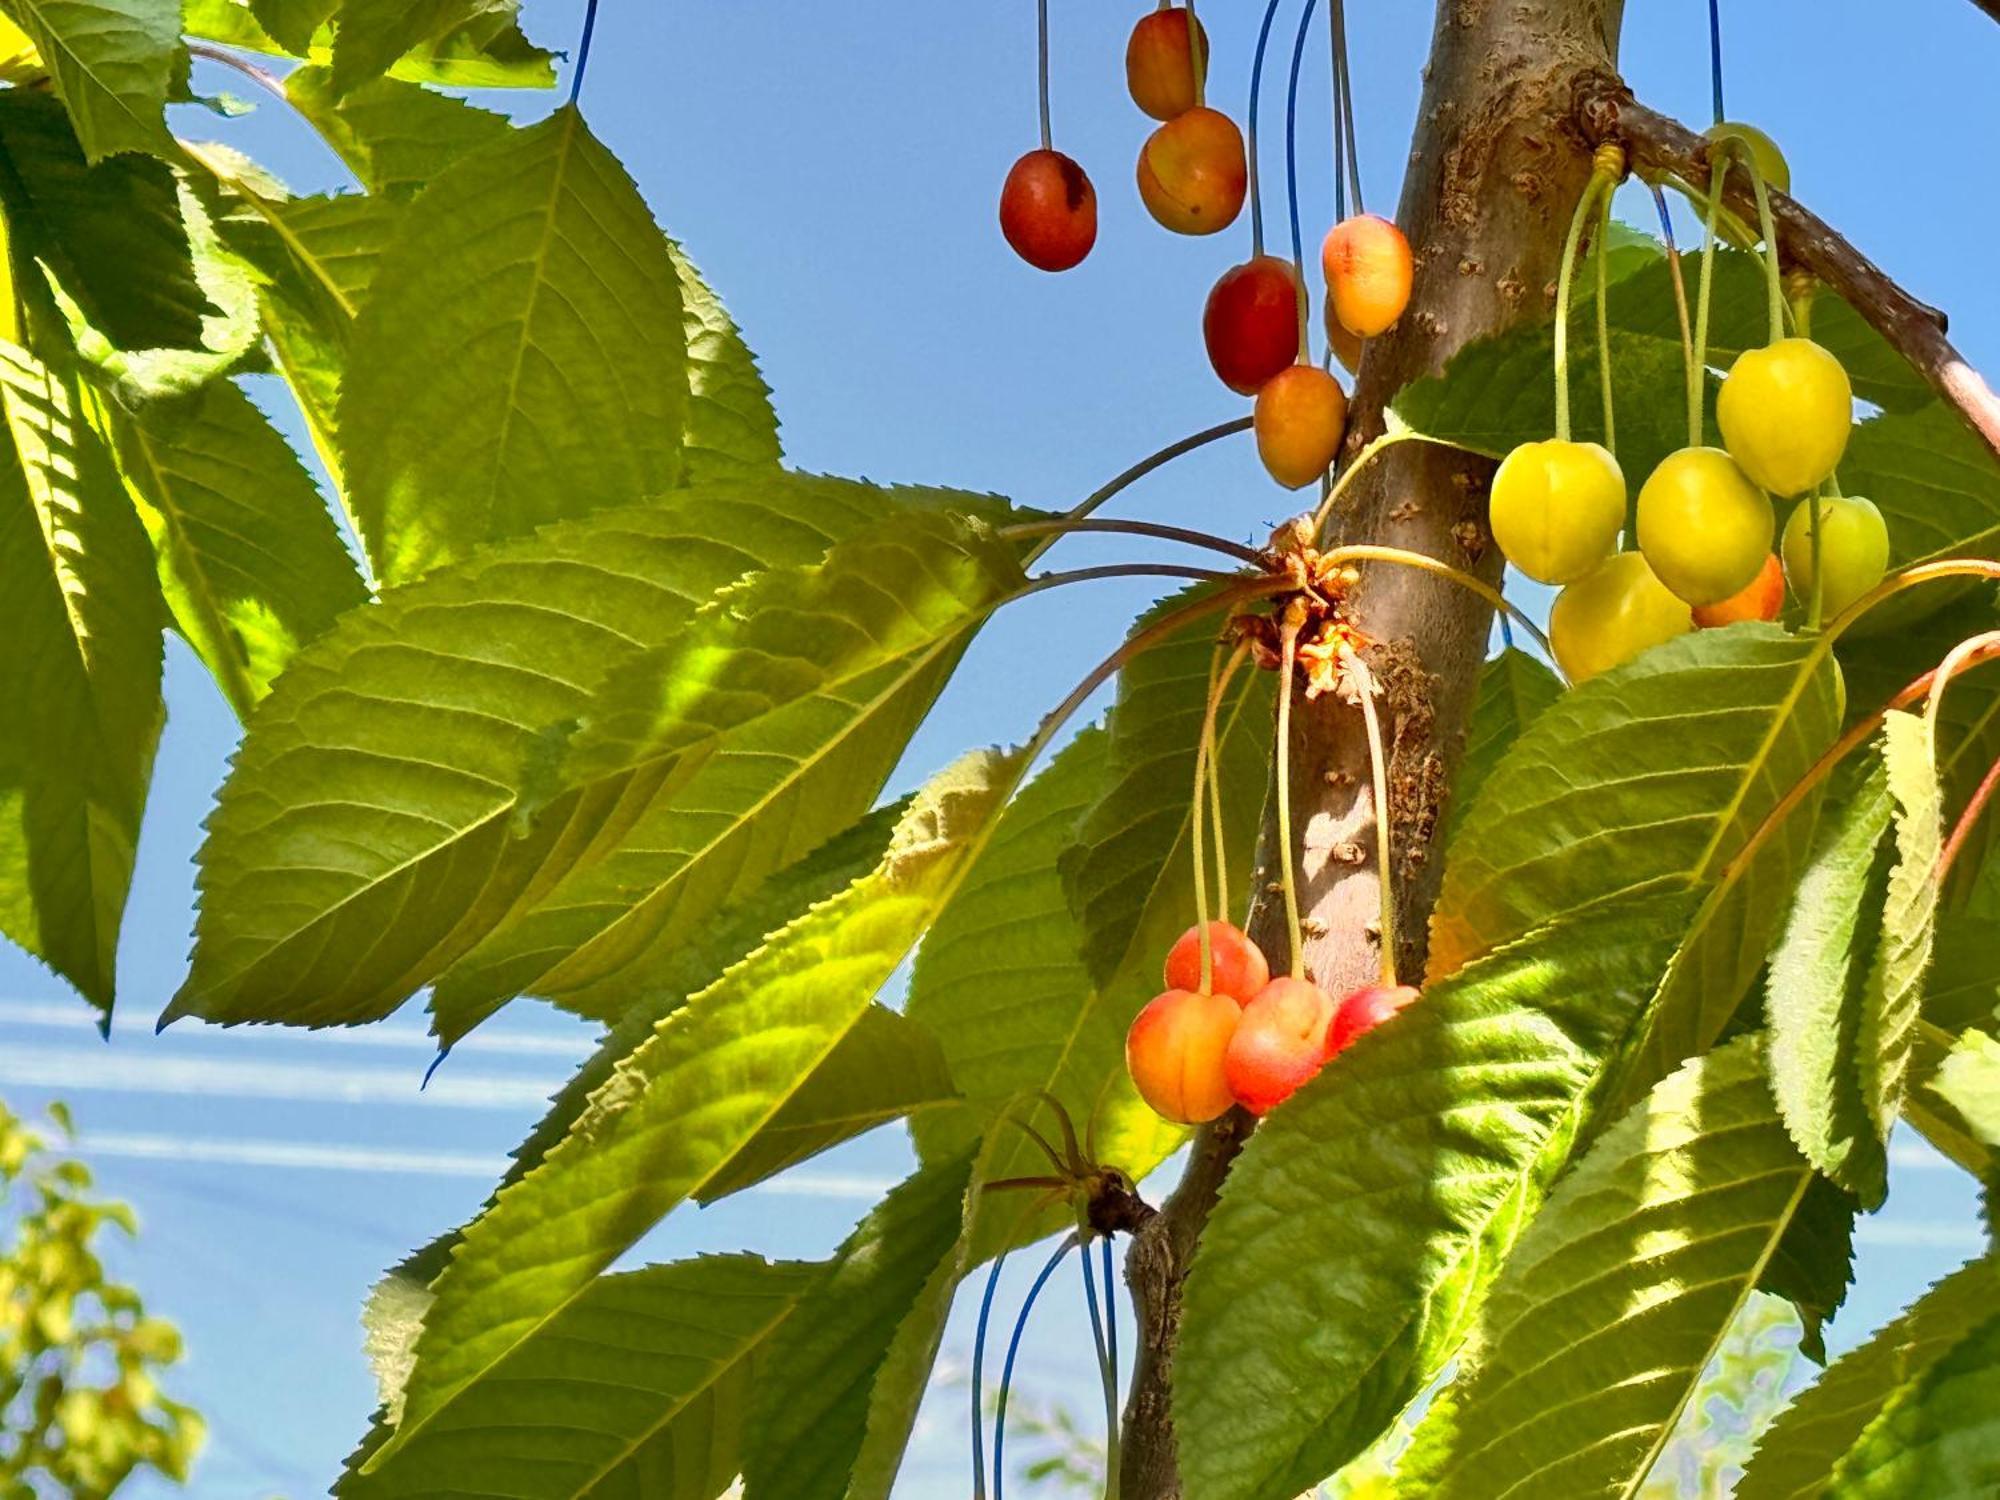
{"x": 1697, "y": 421}
{"x": 1111, "y": 1369}
{"x": 1715, "y": 55}
{"x": 1688, "y": 364}
{"x": 1065, "y": 525}
{"x": 1146, "y": 465}
{"x": 1975, "y": 805}
{"x": 1374, "y": 449}
{"x": 1369, "y": 552}
{"x": 1041, "y": 581}
{"x": 263, "y": 77}
{"x": 1604, "y": 322}
{"x": 1564, "y": 276}
{"x": 1767, "y": 227}
{"x": 1215, "y": 784}
{"x": 1106, "y": 1373}
{"x": 1292, "y": 173}
{"x": 1197, "y": 56}
{"x": 1378, "y": 769}
{"x": 979, "y": 1378}
{"x": 1196, "y": 831}
{"x": 1070, "y": 1241}
{"x": 1344, "y": 101}
{"x": 1042, "y": 67}
{"x": 1288, "y": 640}
{"x": 1962, "y": 655}
{"x": 583, "y": 52}
{"x": 1256, "y": 93}
{"x": 1339, "y": 132}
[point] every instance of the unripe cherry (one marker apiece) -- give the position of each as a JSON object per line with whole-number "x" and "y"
{"x": 1368, "y": 273}
{"x": 1251, "y": 322}
{"x": 1237, "y": 966}
{"x": 1704, "y": 527}
{"x": 1611, "y": 614}
{"x": 1761, "y": 599}
{"x": 1853, "y": 549}
{"x": 1785, "y": 413}
{"x": 1557, "y": 507}
{"x": 1300, "y": 420}
{"x": 1162, "y": 71}
{"x": 1364, "y": 1010}
{"x": 1174, "y": 1052}
{"x": 1771, "y": 163}
{"x": 1192, "y": 172}
{"x": 1279, "y": 1044}
{"x": 1048, "y": 211}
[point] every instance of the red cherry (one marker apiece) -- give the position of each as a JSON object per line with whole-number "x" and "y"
{"x": 1251, "y": 323}
{"x": 1238, "y": 968}
{"x": 1364, "y": 1010}
{"x": 1368, "y": 270}
{"x": 1174, "y": 1053}
{"x": 1048, "y": 211}
{"x": 1280, "y": 1043}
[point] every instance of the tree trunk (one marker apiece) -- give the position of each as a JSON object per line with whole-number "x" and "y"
{"x": 1495, "y": 170}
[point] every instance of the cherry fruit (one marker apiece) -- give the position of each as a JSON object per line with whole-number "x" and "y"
{"x": 1853, "y": 550}
{"x": 1163, "y": 69}
{"x": 1785, "y": 412}
{"x": 1364, "y": 1010}
{"x": 1611, "y": 614}
{"x": 1761, "y": 599}
{"x": 1280, "y": 1043}
{"x": 1192, "y": 172}
{"x": 1048, "y": 211}
{"x": 1704, "y": 527}
{"x": 1175, "y": 1052}
{"x": 1557, "y": 508}
{"x": 1771, "y": 163}
{"x": 1346, "y": 346}
{"x": 1237, "y": 967}
{"x": 1300, "y": 420}
{"x": 1368, "y": 271}
{"x": 1251, "y": 322}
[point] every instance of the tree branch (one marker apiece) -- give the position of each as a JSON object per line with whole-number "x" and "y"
{"x": 1991, "y": 7}
{"x": 1654, "y": 143}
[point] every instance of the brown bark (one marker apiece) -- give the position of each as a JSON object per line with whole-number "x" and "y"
{"x": 1495, "y": 169}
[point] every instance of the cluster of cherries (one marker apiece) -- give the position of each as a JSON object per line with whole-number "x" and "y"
{"x": 1242, "y": 1037}
{"x": 1705, "y": 522}
{"x": 1193, "y": 176}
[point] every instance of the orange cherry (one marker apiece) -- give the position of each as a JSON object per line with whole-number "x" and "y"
{"x": 1162, "y": 70}
{"x": 1346, "y": 346}
{"x": 1300, "y": 419}
{"x": 1175, "y": 1052}
{"x": 1280, "y": 1043}
{"x": 1192, "y": 172}
{"x": 1251, "y": 322}
{"x": 1048, "y": 211}
{"x": 1237, "y": 965}
{"x": 1760, "y": 599}
{"x": 1364, "y": 1010}
{"x": 1368, "y": 273}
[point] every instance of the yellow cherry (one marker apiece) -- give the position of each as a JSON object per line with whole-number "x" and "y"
{"x": 1557, "y": 507}
{"x": 1611, "y": 614}
{"x": 1785, "y": 413}
{"x": 1704, "y": 527}
{"x": 1853, "y": 550}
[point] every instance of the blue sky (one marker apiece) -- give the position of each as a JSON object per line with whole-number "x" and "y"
{"x": 834, "y": 171}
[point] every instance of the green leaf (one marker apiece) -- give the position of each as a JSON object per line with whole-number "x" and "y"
{"x": 293, "y": 23}
{"x": 521, "y": 356}
{"x": 1969, "y": 1081}
{"x": 808, "y": 1417}
{"x": 1813, "y": 991}
{"x": 80, "y": 613}
{"x": 417, "y": 719}
{"x": 111, "y": 234}
{"x": 1358, "y": 1230}
{"x": 768, "y": 724}
{"x": 112, "y": 61}
{"x": 1893, "y": 994}
{"x": 1130, "y": 872}
{"x": 1514, "y": 690}
{"x": 369, "y": 35}
{"x": 1652, "y": 775}
{"x": 1934, "y": 482}
{"x": 683, "y": 1106}
{"x": 488, "y": 53}
{"x": 730, "y": 424}
{"x": 394, "y": 136}
{"x": 637, "y": 1387}
{"x": 249, "y": 560}
{"x": 1797, "y": 1458}
{"x": 1617, "y": 1297}
{"x": 1962, "y": 988}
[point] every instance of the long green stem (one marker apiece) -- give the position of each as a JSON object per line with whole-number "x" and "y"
{"x": 1375, "y": 448}
{"x": 1689, "y": 368}
{"x": 1564, "y": 276}
{"x": 1220, "y": 853}
{"x": 1973, "y": 649}
{"x": 1288, "y": 661}
{"x": 1368, "y": 552}
{"x": 1378, "y": 769}
{"x": 1604, "y": 321}
{"x": 1696, "y": 416}
{"x": 1042, "y": 581}
{"x": 1196, "y": 832}
{"x": 1070, "y": 525}
{"x": 1774, "y": 280}
{"x": 1147, "y": 465}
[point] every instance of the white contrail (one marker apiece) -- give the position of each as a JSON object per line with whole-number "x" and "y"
{"x": 79, "y": 1018}
{"x": 303, "y": 1155}
{"x": 102, "y": 1070}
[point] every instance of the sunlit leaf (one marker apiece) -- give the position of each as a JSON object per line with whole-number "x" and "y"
{"x": 489, "y": 52}
{"x": 112, "y": 61}
{"x": 1969, "y": 1081}
{"x": 394, "y": 136}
